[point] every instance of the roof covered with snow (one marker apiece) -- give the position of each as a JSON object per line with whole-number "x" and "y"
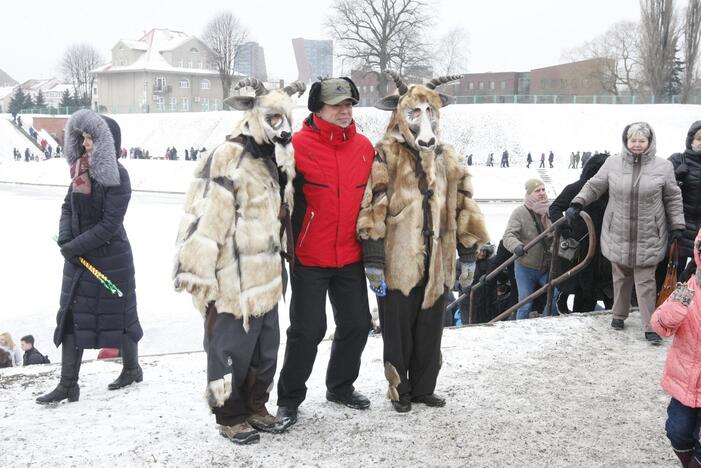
{"x": 151, "y": 47}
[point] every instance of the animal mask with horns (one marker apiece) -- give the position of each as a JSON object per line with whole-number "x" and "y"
{"x": 415, "y": 111}
{"x": 268, "y": 114}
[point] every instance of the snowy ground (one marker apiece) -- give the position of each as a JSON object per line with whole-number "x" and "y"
{"x": 554, "y": 392}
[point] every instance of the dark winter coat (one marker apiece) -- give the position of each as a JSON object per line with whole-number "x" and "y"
{"x": 596, "y": 276}
{"x": 687, "y": 171}
{"x": 33, "y": 356}
{"x": 91, "y": 226}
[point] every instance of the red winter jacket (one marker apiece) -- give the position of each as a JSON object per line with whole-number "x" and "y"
{"x": 333, "y": 165}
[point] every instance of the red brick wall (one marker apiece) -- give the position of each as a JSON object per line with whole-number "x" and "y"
{"x": 53, "y": 125}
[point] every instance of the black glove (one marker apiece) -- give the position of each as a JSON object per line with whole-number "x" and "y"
{"x": 70, "y": 256}
{"x": 518, "y": 251}
{"x": 572, "y": 213}
{"x": 676, "y": 235}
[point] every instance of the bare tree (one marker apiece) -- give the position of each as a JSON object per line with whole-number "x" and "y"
{"x": 223, "y": 35}
{"x": 452, "y": 52}
{"x": 76, "y": 64}
{"x": 658, "y": 44}
{"x": 381, "y": 34}
{"x": 692, "y": 38}
{"x": 619, "y": 50}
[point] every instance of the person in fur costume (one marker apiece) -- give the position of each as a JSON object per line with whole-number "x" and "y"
{"x": 229, "y": 257}
{"x": 91, "y": 226}
{"x": 416, "y": 211}
{"x": 680, "y": 315}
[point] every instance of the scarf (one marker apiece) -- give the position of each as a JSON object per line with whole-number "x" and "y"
{"x": 539, "y": 207}
{"x": 80, "y": 177}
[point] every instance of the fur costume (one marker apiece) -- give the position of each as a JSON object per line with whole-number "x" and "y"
{"x": 392, "y": 210}
{"x": 229, "y": 242}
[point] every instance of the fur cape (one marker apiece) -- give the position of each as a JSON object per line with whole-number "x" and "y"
{"x": 229, "y": 242}
{"x": 392, "y": 211}
{"x": 103, "y": 162}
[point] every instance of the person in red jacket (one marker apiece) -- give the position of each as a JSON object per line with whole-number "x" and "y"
{"x": 333, "y": 164}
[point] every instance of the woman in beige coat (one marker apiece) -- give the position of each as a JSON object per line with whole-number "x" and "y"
{"x": 644, "y": 205}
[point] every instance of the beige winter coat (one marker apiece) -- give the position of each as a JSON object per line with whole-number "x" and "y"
{"x": 228, "y": 247}
{"x": 521, "y": 229}
{"x": 644, "y": 204}
{"x": 391, "y": 209}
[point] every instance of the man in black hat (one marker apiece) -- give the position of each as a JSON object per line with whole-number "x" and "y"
{"x": 333, "y": 164}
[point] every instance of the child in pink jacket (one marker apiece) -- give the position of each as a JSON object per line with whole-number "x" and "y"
{"x": 680, "y": 316}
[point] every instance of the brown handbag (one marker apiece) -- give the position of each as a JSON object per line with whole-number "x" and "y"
{"x": 670, "y": 279}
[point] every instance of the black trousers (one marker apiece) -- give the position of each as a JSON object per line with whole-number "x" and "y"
{"x": 248, "y": 358}
{"x": 412, "y": 339}
{"x": 347, "y": 292}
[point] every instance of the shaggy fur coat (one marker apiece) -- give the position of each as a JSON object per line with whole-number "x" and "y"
{"x": 392, "y": 211}
{"x": 229, "y": 242}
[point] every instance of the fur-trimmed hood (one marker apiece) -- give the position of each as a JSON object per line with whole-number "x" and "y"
{"x": 103, "y": 163}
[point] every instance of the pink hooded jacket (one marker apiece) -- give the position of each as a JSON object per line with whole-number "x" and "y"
{"x": 682, "y": 371}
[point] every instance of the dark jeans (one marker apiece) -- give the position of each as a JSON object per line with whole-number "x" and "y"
{"x": 683, "y": 425}
{"x": 347, "y": 291}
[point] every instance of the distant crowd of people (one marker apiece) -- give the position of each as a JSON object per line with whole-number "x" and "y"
{"x": 25, "y": 355}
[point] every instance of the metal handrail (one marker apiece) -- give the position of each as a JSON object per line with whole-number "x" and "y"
{"x": 551, "y": 283}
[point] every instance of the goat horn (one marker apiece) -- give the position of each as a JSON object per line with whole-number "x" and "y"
{"x": 401, "y": 86}
{"x": 442, "y": 80}
{"x": 257, "y": 86}
{"x": 295, "y": 87}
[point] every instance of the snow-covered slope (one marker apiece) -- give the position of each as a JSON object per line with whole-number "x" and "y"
{"x": 555, "y": 392}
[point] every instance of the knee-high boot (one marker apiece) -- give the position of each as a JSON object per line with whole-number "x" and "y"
{"x": 67, "y": 387}
{"x": 131, "y": 371}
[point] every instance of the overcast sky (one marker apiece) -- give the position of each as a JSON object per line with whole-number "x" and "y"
{"x": 505, "y": 35}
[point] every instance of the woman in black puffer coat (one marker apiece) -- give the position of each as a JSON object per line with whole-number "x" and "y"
{"x": 594, "y": 282}
{"x": 687, "y": 171}
{"x": 91, "y": 227}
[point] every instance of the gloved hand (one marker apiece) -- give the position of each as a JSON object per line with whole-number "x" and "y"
{"x": 676, "y": 235}
{"x": 572, "y": 213}
{"x": 376, "y": 278}
{"x": 69, "y": 255}
{"x": 467, "y": 274}
{"x": 518, "y": 251}
{"x": 682, "y": 294}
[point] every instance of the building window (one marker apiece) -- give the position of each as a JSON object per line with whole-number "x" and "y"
{"x": 199, "y": 65}
{"x": 543, "y": 84}
{"x": 186, "y": 104}
{"x": 471, "y": 85}
{"x": 185, "y": 83}
{"x": 205, "y": 104}
{"x": 194, "y": 50}
{"x": 160, "y": 83}
{"x": 204, "y": 84}
{"x": 503, "y": 84}
{"x": 161, "y": 104}
{"x": 180, "y": 64}
{"x": 372, "y": 88}
{"x": 481, "y": 85}
{"x": 173, "y": 104}
{"x": 216, "y": 104}
{"x": 492, "y": 85}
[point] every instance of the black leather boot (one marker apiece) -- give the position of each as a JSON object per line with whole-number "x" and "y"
{"x": 67, "y": 387}
{"x": 131, "y": 371}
